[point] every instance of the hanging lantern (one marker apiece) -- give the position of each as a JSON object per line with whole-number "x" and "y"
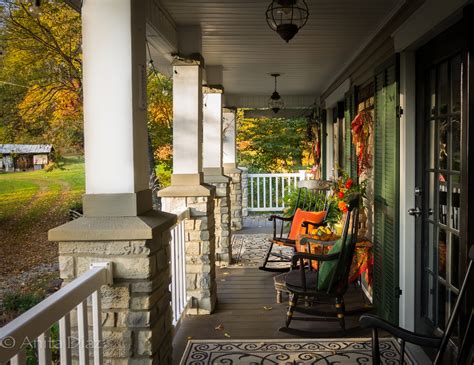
{"x": 275, "y": 102}
{"x": 287, "y": 17}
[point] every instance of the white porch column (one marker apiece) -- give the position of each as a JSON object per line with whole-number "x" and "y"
{"x": 213, "y": 169}
{"x": 187, "y": 124}
{"x": 229, "y": 142}
{"x": 114, "y": 70}
{"x": 212, "y": 131}
{"x": 118, "y": 225}
{"x": 231, "y": 170}
{"x": 187, "y": 188}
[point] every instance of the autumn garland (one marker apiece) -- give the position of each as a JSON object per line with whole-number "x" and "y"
{"x": 362, "y": 127}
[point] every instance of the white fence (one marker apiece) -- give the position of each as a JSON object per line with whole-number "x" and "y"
{"x": 179, "y": 299}
{"x": 33, "y": 328}
{"x": 266, "y": 192}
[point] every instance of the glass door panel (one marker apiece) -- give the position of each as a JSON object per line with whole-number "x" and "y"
{"x": 442, "y": 189}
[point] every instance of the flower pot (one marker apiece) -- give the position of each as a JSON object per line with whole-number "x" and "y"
{"x": 338, "y": 229}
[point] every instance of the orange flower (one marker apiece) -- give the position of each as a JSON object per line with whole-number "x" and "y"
{"x": 343, "y": 207}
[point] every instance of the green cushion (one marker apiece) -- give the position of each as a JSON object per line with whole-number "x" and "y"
{"x": 327, "y": 268}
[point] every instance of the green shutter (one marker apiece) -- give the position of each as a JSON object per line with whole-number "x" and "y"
{"x": 386, "y": 192}
{"x": 350, "y": 160}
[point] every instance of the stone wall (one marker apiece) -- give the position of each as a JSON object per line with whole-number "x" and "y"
{"x": 200, "y": 250}
{"x": 235, "y": 198}
{"x": 245, "y": 191}
{"x": 136, "y": 309}
{"x": 222, "y": 223}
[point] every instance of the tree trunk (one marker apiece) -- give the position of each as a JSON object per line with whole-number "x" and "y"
{"x": 154, "y": 183}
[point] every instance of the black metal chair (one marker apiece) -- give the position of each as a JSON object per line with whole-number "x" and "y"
{"x": 377, "y": 323}
{"x": 310, "y": 195}
{"x": 304, "y": 281}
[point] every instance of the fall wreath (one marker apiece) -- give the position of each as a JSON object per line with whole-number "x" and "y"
{"x": 362, "y": 127}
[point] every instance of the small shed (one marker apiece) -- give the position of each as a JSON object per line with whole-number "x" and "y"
{"x": 21, "y": 157}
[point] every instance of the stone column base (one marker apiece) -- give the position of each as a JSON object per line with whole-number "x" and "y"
{"x": 200, "y": 244}
{"x": 235, "y": 198}
{"x": 136, "y": 309}
{"x": 222, "y": 218}
{"x": 245, "y": 191}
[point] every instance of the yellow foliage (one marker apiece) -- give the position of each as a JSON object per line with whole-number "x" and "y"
{"x": 52, "y": 102}
{"x": 42, "y": 56}
{"x": 164, "y": 152}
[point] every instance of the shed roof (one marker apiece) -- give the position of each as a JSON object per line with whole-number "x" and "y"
{"x": 25, "y": 148}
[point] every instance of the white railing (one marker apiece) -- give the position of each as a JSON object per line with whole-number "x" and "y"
{"x": 266, "y": 192}
{"x": 179, "y": 299}
{"x": 33, "y": 328}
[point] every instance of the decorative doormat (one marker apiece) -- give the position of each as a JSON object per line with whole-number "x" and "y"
{"x": 290, "y": 352}
{"x": 249, "y": 250}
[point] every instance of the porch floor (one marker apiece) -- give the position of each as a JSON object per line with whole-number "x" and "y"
{"x": 247, "y": 309}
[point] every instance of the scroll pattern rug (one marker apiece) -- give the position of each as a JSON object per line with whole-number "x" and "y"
{"x": 249, "y": 250}
{"x": 290, "y": 352}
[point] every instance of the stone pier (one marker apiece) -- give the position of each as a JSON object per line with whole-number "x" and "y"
{"x": 245, "y": 191}
{"x": 212, "y": 162}
{"x": 200, "y": 249}
{"x": 222, "y": 218}
{"x": 230, "y": 168}
{"x": 235, "y": 197}
{"x": 136, "y": 309}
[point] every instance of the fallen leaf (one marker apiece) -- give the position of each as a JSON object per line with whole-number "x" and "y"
{"x": 226, "y": 273}
{"x": 226, "y": 335}
{"x": 267, "y": 308}
{"x": 220, "y": 327}
{"x": 189, "y": 338}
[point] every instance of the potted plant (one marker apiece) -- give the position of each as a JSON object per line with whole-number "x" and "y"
{"x": 344, "y": 186}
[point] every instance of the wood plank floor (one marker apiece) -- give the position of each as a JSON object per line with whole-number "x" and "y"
{"x": 242, "y": 295}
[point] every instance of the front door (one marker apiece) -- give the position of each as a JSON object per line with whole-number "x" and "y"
{"x": 439, "y": 192}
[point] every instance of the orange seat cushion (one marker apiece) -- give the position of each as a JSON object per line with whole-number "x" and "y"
{"x": 304, "y": 216}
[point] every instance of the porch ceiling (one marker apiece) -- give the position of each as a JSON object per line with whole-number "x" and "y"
{"x": 236, "y": 36}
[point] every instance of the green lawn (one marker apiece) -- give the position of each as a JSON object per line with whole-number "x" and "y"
{"x": 31, "y": 203}
{"x": 25, "y": 196}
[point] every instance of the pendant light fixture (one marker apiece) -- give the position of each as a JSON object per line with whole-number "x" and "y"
{"x": 287, "y": 17}
{"x": 275, "y": 102}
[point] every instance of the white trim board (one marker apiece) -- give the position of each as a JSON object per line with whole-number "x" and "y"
{"x": 368, "y": 40}
{"x": 425, "y": 21}
{"x": 338, "y": 94}
{"x": 407, "y": 190}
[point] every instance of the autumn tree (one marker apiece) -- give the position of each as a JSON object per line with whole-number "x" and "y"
{"x": 160, "y": 123}
{"x": 272, "y": 144}
{"x": 41, "y": 73}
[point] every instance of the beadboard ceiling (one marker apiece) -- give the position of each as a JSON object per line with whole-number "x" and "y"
{"x": 235, "y": 35}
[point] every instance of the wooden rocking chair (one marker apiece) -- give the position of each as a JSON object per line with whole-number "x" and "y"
{"x": 308, "y": 200}
{"x": 465, "y": 355}
{"x": 329, "y": 282}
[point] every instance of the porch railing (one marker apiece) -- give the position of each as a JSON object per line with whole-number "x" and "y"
{"x": 33, "y": 328}
{"x": 267, "y": 192}
{"x": 179, "y": 299}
